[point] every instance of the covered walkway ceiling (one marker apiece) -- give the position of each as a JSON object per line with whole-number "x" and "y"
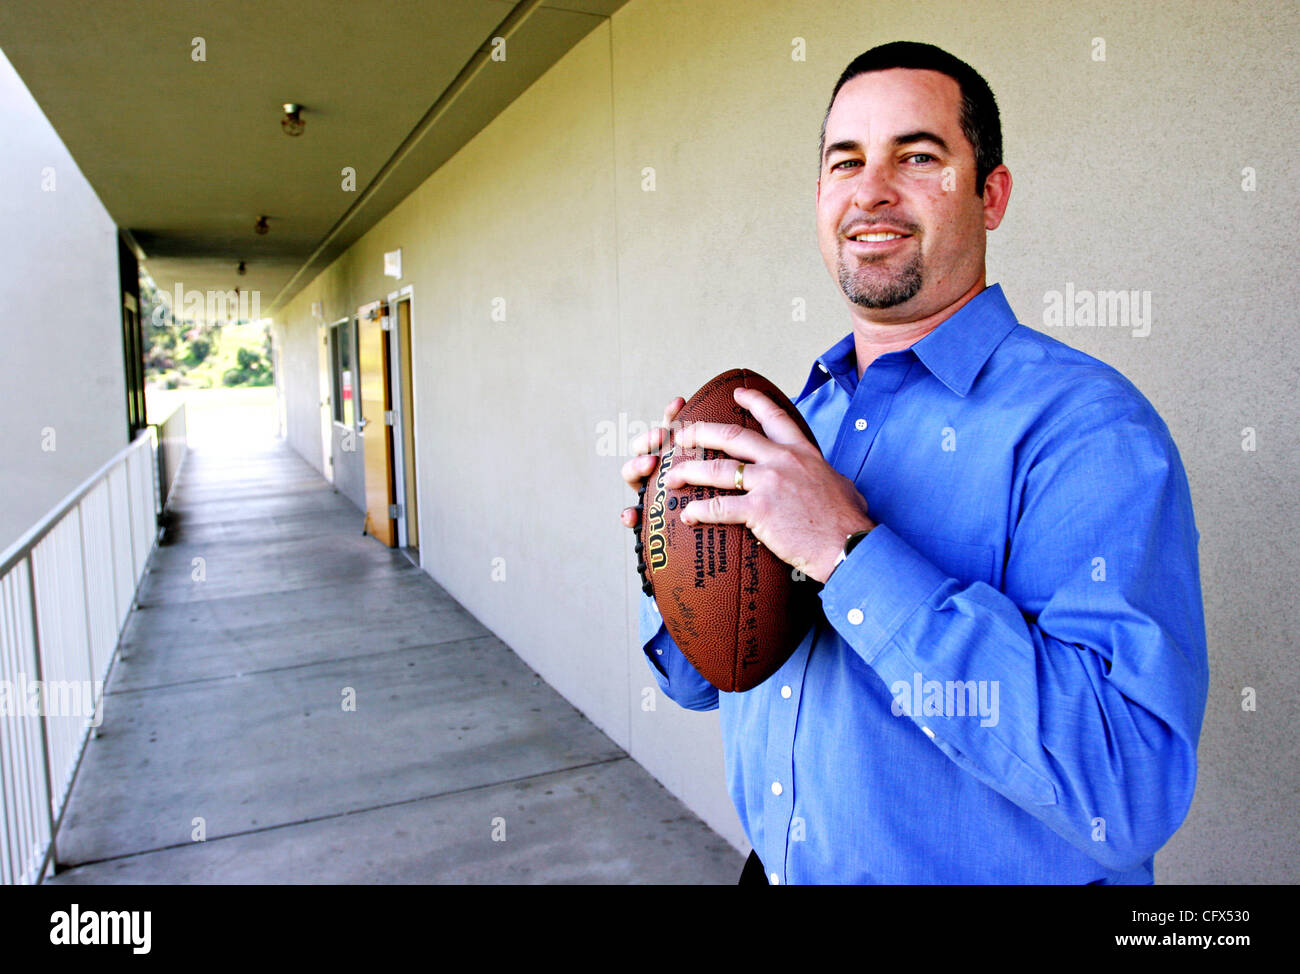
{"x": 186, "y": 155}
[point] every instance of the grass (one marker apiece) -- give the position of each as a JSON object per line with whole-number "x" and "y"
{"x": 223, "y": 415}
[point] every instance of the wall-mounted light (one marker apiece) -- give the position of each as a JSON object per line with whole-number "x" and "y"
{"x": 292, "y": 122}
{"x": 261, "y": 226}
{"x": 242, "y": 269}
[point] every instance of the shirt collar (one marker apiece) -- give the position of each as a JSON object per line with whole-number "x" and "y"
{"x": 954, "y": 352}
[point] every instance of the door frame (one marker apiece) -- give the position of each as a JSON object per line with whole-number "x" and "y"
{"x": 325, "y": 331}
{"x": 406, "y": 293}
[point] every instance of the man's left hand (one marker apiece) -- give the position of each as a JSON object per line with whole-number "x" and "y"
{"x": 794, "y": 502}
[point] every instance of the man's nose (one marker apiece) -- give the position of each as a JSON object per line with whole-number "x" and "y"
{"x": 875, "y": 186}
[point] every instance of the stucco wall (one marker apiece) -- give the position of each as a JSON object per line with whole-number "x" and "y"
{"x": 298, "y": 386}
{"x": 60, "y": 310}
{"x": 1129, "y": 174}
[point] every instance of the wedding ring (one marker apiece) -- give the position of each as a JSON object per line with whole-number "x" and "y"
{"x": 740, "y": 476}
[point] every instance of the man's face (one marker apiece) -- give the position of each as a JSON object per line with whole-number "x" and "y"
{"x": 898, "y": 221}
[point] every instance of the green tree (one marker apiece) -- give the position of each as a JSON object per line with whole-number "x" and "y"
{"x": 252, "y": 369}
{"x": 199, "y": 350}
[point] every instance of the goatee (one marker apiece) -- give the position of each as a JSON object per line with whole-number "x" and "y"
{"x": 903, "y": 286}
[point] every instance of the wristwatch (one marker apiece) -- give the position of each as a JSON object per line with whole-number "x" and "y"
{"x": 850, "y": 543}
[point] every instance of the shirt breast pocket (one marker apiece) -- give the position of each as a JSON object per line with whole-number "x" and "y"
{"x": 965, "y": 562}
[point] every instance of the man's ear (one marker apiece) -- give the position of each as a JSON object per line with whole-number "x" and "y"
{"x": 997, "y": 191}
{"x": 819, "y": 189}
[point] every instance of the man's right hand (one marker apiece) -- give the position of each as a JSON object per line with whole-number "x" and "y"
{"x": 645, "y": 457}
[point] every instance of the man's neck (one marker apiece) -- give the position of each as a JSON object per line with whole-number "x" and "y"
{"x": 873, "y": 338}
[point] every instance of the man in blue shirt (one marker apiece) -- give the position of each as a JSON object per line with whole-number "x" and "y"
{"x": 1007, "y": 680}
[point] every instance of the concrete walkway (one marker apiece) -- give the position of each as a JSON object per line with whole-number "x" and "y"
{"x": 266, "y": 611}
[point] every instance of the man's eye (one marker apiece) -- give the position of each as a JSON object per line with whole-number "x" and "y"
{"x": 844, "y": 162}
{"x": 923, "y": 157}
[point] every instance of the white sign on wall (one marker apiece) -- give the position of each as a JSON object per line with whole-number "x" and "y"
{"x": 393, "y": 263}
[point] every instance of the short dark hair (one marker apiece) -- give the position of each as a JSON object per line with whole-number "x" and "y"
{"x": 979, "y": 118}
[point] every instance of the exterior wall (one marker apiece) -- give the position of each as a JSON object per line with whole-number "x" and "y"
{"x": 298, "y": 385}
{"x": 61, "y": 317}
{"x": 1128, "y": 175}
{"x": 349, "y": 465}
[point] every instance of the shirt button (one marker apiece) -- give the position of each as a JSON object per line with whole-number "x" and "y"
{"x": 855, "y": 616}
{"x": 776, "y": 880}
{"x": 659, "y": 651}
{"x": 785, "y": 692}
{"x": 860, "y": 425}
{"x": 827, "y": 371}
{"x": 776, "y": 788}
{"x": 928, "y": 733}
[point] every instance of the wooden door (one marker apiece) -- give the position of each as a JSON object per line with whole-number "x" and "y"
{"x": 375, "y": 405}
{"x": 326, "y": 402}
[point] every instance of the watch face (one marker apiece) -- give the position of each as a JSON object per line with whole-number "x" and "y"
{"x": 853, "y": 540}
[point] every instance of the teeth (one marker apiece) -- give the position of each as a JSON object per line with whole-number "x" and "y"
{"x": 877, "y": 237}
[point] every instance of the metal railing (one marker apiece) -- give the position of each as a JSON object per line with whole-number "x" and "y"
{"x": 66, "y": 589}
{"x": 171, "y": 433}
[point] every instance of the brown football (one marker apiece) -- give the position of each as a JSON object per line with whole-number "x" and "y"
{"x": 734, "y": 609}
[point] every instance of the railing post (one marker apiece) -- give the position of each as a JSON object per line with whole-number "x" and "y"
{"x": 156, "y": 476}
{"x": 112, "y": 554}
{"x": 160, "y": 474}
{"x": 90, "y": 635}
{"x": 51, "y": 853}
{"x": 130, "y": 515}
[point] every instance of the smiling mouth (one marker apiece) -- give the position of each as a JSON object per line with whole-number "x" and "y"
{"x": 877, "y": 237}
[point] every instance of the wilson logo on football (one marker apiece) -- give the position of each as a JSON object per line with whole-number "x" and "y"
{"x": 657, "y": 550}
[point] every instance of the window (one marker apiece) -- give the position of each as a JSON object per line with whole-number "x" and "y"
{"x": 343, "y": 358}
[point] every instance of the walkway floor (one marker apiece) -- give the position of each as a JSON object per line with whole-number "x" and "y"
{"x": 265, "y": 612}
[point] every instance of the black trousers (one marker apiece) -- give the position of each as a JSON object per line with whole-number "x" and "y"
{"x": 753, "y": 874}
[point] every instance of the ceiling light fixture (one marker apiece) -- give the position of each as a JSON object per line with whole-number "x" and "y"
{"x": 292, "y": 122}
{"x": 261, "y": 226}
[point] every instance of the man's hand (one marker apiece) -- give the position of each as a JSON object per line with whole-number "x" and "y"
{"x": 795, "y": 502}
{"x": 646, "y": 448}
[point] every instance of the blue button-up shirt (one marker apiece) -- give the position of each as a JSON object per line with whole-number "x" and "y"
{"x": 1007, "y": 680}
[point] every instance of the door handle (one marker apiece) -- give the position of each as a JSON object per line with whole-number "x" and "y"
{"x": 362, "y": 423}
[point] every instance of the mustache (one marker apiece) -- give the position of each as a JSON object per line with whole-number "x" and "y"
{"x": 878, "y": 221}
